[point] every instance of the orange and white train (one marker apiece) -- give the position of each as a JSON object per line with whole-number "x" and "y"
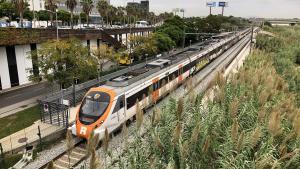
{"x": 111, "y": 105}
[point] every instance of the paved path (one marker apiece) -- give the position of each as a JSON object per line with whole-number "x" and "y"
{"x": 14, "y": 141}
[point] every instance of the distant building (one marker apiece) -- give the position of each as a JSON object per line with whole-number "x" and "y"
{"x": 143, "y": 5}
{"x": 38, "y": 5}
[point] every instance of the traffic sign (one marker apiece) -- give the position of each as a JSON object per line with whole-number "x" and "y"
{"x": 223, "y": 4}
{"x": 211, "y": 4}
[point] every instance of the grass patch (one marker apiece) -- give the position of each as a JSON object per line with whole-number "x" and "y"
{"x": 18, "y": 121}
{"x": 10, "y": 160}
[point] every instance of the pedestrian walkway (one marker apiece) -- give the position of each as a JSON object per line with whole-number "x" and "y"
{"x": 29, "y": 135}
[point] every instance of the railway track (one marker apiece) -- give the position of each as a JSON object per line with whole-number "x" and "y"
{"x": 78, "y": 153}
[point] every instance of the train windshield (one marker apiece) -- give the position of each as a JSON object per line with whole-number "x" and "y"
{"x": 93, "y": 107}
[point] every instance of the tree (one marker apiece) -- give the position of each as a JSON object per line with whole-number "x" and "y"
{"x": 87, "y": 6}
{"x": 103, "y": 54}
{"x": 43, "y": 15}
{"x": 7, "y": 9}
{"x": 51, "y": 5}
{"x": 64, "y": 16}
{"x": 102, "y": 7}
{"x": 62, "y": 61}
{"x": 71, "y": 5}
{"x": 163, "y": 42}
{"x": 144, "y": 47}
{"x": 120, "y": 13}
{"x": 112, "y": 13}
{"x": 20, "y": 7}
{"x": 266, "y": 23}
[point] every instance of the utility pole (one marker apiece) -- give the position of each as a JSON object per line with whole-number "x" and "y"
{"x": 210, "y": 5}
{"x": 223, "y": 11}
{"x": 183, "y": 42}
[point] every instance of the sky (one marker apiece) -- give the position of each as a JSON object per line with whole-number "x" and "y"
{"x": 242, "y": 8}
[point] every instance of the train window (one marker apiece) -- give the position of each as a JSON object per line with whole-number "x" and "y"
{"x": 163, "y": 81}
{"x": 131, "y": 101}
{"x": 119, "y": 104}
{"x": 137, "y": 96}
{"x": 155, "y": 86}
{"x": 93, "y": 107}
{"x": 173, "y": 75}
{"x": 180, "y": 71}
{"x": 186, "y": 67}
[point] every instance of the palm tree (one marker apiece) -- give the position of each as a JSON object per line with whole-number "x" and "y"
{"x": 71, "y": 4}
{"x": 20, "y": 7}
{"x": 102, "y": 7}
{"x": 112, "y": 11}
{"x": 120, "y": 13}
{"x": 51, "y": 6}
{"x": 87, "y": 6}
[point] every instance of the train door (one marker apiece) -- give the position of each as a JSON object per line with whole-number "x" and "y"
{"x": 180, "y": 72}
{"x": 121, "y": 112}
{"x": 155, "y": 94}
{"x": 118, "y": 113}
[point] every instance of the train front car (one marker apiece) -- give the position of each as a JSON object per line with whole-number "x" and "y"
{"x": 93, "y": 112}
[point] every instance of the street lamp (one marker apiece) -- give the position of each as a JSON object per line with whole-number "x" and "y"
{"x": 56, "y": 22}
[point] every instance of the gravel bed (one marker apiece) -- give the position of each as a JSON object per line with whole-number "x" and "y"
{"x": 48, "y": 155}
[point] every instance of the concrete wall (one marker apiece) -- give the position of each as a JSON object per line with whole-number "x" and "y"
{"x": 24, "y": 63}
{"x": 93, "y": 43}
{"x": 4, "y": 72}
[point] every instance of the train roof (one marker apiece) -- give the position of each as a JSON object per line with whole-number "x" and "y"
{"x": 128, "y": 80}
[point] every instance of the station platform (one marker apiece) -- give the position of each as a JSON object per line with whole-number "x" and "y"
{"x": 28, "y": 136}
